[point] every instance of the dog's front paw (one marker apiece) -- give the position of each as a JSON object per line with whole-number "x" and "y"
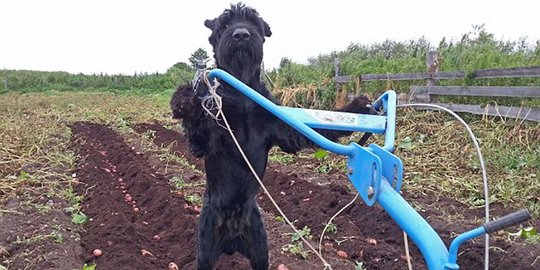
{"x": 182, "y": 101}
{"x": 360, "y": 104}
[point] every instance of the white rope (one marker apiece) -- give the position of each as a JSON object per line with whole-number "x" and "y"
{"x": 407, "y": 253}
{"x": 332, "y": 218}
{"x": 482, "y": 165}
{"x": 214, "y": 102}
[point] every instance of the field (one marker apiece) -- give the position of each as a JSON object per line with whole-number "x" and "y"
{"x": 82, "y": 171}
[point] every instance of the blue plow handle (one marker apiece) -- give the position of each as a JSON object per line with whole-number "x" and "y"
{"x": 375, "y": 165}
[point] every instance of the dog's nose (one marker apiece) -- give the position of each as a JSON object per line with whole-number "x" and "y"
{"x": 241, "y": 34}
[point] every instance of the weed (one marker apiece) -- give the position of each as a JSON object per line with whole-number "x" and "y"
{"x": 89, "y": 266}
{"x": 193, "y": 199}
{"x": 296, "y": 249}
{"x": 279, "y": 219}
{"x": 178, "y": 182}
{"x": 305, "y": 232}
{"x": 530, "y": 234}
{"x": 79, "y": 218}
{"x": 331, "y": 228}
{"x": 56, "y": 236}
{"x": 282, "y": 158}
{"x": 359, "y": 266}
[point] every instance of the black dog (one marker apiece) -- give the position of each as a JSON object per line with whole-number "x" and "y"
{"x": 230, "y": 219}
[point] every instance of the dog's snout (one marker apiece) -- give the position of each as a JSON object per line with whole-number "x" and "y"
{"x": 241, "y": 34}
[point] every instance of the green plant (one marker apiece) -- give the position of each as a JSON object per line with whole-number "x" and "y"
{"x": 305, "y": 232}
{"x": 530, "y": 234}
{"x": 331, "y": 228}
{"x": 320, "y": 154}
{"x": 282, "y": 158}
{"x": 359, "y": 266}
{"x": 56, "y": 236}
{"x": 78, "y": 218}
{"x": 89, "y": 266}
{"x": 296, "y": 249}
{"x": 178, "y": 182}
{"x": 194, "y": 199}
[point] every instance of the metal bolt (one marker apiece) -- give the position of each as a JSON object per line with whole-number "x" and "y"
{"x": 370, "y": 191}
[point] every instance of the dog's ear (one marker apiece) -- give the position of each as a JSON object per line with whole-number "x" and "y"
{"x": 266, "y": 28}
{"x": 210, "y": 24}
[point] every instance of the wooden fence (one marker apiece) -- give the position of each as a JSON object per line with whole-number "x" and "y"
{"x": 429, "y": 92}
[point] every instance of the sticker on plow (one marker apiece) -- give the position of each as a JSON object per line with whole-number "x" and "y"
{"x": 336, "y": 118}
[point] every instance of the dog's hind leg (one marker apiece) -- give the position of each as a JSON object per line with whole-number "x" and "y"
{"x": 209, "y": 249}
{"x": 254, "y": 245}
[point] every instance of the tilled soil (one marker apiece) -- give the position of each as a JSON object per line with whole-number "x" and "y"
{"x": 140, "y": 221}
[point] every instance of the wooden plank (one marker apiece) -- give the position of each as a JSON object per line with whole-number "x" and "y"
{"x": 532, "y": 114}
{"x": 531, "y": 71}
{"x": 449, "y": 75}
{"x": 343, "y": 79}
{"x": 402, "y": 76}
{"x": 395, "y": 77}
{"x": 482, "y": 91}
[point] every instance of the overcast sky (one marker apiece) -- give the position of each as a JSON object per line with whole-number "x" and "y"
{"x": 117, "y": 36}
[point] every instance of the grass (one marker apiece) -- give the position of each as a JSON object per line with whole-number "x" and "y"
{"x": 36, "y": 162}
{"x": 35, "y": 133}
{"x": 438, "y": 156}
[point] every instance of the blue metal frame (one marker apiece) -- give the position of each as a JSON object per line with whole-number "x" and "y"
{"x": 369, "y": 168}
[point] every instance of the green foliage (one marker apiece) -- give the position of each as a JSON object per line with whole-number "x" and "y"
{"x": 296, "y": 249}
{"x": 38, "y": 81}
{"x": 359, "y": 265}
{"x": 193, "y": 199}
{"x": 200, "y": 55}
{"x": 178, "y": 182}
{"x": 320, "y": 154}
{"x": 477, "y": 49}
{"x": 331, "y": 228}
{"x": 89, "y": 266}
{"x": 78, "y": 218}
{"x": 530, "y": 234}
{"x": 305, "y": 232}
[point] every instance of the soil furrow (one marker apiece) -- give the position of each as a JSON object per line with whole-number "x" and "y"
{"x": 129, "y": 205}
{"x": 367, "y": 234}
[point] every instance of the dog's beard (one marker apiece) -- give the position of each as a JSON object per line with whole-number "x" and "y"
{"x": 241, "y": 60}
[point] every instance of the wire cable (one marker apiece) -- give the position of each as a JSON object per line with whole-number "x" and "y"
{"x": 480, "y": 157}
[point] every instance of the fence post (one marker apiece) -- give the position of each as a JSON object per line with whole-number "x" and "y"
{"x": 6, "y": 84}
{"x": 336, "y": 66}
{"x": 432, "y": 64}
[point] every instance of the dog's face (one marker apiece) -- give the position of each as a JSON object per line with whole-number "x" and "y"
{"x": 237, "y": 37}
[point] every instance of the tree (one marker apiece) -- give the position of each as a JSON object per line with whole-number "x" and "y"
{"x": 199, "y": 56}
{"x": 180, "y": 72}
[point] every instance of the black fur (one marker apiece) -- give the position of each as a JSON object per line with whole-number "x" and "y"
{"x": 230, "y": 218}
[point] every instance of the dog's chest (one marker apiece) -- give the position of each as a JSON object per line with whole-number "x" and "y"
{"x": 250, "y": 124}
